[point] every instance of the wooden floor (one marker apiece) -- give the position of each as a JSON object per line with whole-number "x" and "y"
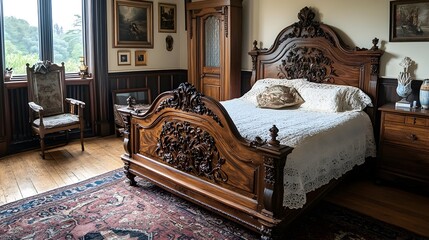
{"x": 26, "y": 174}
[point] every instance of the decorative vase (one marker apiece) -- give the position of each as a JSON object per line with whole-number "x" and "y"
{"x": 403, "y": 91}
{"x": 424, "y": 94}
{"x": 7, "y": 74}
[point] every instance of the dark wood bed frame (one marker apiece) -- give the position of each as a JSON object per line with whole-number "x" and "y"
{"x": 188, "y": 144}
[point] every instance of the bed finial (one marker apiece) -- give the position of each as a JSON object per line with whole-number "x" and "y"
{"x": 130, "y": 102}
{"x": 273, "y": 133}
{"x": 255, "y": 45}
{"x": 306, "y": 16}
{"x": 374, "y": 43}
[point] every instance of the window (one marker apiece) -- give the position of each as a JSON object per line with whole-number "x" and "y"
{"x": 67, "y": 32}
{"x": 25, "y": 44}
{"x": 21, "y": 36}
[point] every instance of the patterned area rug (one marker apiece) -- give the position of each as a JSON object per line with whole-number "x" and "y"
{"x": 106, "y": 207}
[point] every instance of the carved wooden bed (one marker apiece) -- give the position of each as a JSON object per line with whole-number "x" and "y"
{"x": 188, "y": 144}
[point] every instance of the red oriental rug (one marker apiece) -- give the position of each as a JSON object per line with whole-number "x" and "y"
{"x": 106, "y": 207}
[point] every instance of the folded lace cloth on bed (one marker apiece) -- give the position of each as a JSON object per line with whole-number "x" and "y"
{"x": 326, "y": 144}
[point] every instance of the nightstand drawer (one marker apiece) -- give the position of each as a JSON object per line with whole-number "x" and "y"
{"x": 413, "y": 163}
{"x": 408, "y": 136}
{"x": 416, "y": 121}
{"x": 389, "y": 117}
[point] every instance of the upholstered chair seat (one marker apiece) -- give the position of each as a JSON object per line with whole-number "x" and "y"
{"x": 61, "y": 120}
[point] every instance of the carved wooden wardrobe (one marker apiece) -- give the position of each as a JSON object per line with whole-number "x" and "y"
{"x": 214, "y": 47}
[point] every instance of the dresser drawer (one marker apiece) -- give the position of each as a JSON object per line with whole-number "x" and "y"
{"x": 413, "y": 163}
{"x": 405, "y": 135}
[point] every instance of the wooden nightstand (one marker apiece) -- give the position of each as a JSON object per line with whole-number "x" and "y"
{"x": 404, "y": 147}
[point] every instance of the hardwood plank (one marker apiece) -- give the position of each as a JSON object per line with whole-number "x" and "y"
{"x": 8, "y": 182}
{"x": 23, "y": 173}
{"x": 392, "y": 205}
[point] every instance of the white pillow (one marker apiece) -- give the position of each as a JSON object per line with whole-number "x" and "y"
{"x": 355, "y": 99}
{"x": 332, "y": 98}
{"x": 262, "y": 84}
{"x": 321, "y": 99}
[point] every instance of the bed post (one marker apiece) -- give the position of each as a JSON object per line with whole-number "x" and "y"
{"x": 254, "y": 54}
{"x": 274, "y": 161}
{"x": 125, "y": 113}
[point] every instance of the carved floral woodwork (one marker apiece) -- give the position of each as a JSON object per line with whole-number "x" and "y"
{"x": 187, "y": 98}
{"x": 309, "y": 63}
{"x": 190, "y": 149}
{"x": 306, "y": 27}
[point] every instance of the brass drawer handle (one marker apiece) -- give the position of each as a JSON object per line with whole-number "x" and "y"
{"x": 412, "y": 137}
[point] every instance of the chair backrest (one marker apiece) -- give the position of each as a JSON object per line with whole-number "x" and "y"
{"x": 46, "y": 86}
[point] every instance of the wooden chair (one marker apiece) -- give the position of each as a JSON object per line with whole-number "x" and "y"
{"x": 141, "y": 98}
{"x": 50, "y": 110}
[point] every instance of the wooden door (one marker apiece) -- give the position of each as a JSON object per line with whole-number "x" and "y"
{"x": 211, "y": 55}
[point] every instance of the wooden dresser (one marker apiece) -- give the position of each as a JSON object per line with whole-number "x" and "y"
{"x": 404, "y": 147}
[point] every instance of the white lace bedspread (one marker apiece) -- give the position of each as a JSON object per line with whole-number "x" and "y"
{"x": 326, "y": 145}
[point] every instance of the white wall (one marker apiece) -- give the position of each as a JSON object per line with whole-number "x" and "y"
{"x": 357, "y": 22}
{"x": 157, "y": 57}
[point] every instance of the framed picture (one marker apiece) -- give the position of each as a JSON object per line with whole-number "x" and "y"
{"x": 140, "y": 58}
{"x": 133, "y": 24}
{"x": 409, "y": 20}
{"x": 124, "y": 57}
{"x": 167, "y": 17}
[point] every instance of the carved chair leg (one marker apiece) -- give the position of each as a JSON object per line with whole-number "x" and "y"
{"x": 81, "y": 139}
{"x": 42, "y": 146}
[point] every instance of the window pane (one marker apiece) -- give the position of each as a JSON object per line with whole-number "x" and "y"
{"x": 20, "y": 34}
{"x": 67, "y": 31}
{"x": 212, "y": 39}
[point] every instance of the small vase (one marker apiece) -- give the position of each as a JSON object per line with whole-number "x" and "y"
{"x": 424, "y": 94}
{"x": 404, "y": 91}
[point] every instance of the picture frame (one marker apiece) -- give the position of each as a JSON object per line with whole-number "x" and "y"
{"x": 124, "y": 57}
{"x": 409, "y": 21}
{"x": 140, "y": 58}
{"x": 133, "y": 24}
{"x": 167, "y": 17}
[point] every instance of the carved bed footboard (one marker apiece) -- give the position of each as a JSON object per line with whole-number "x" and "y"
{"x": 188, "y": 144}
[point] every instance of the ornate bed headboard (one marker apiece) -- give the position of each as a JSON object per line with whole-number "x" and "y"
{"x": 312, "y": 50}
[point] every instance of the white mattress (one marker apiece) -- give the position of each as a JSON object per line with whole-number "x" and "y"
{"x": 326, "y": 145}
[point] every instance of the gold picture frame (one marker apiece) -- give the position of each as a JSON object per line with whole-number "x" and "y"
{"x": 124, "y": 57}
{"x": 133, "y": 24}
{"x": 140, "y": 58}
{"x": 167, "y": 17}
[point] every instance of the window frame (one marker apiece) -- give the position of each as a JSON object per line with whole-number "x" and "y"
{"x": 46, "y": 44}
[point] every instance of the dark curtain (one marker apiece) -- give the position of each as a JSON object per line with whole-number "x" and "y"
{"x": 99, "y": 57}
{"x": 46, "y": 37}
{"x": 2, "y": 67}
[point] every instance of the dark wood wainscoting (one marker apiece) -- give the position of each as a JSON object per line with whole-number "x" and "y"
{"x": 157, "y": 81}
{"x": 387, "y": 91}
